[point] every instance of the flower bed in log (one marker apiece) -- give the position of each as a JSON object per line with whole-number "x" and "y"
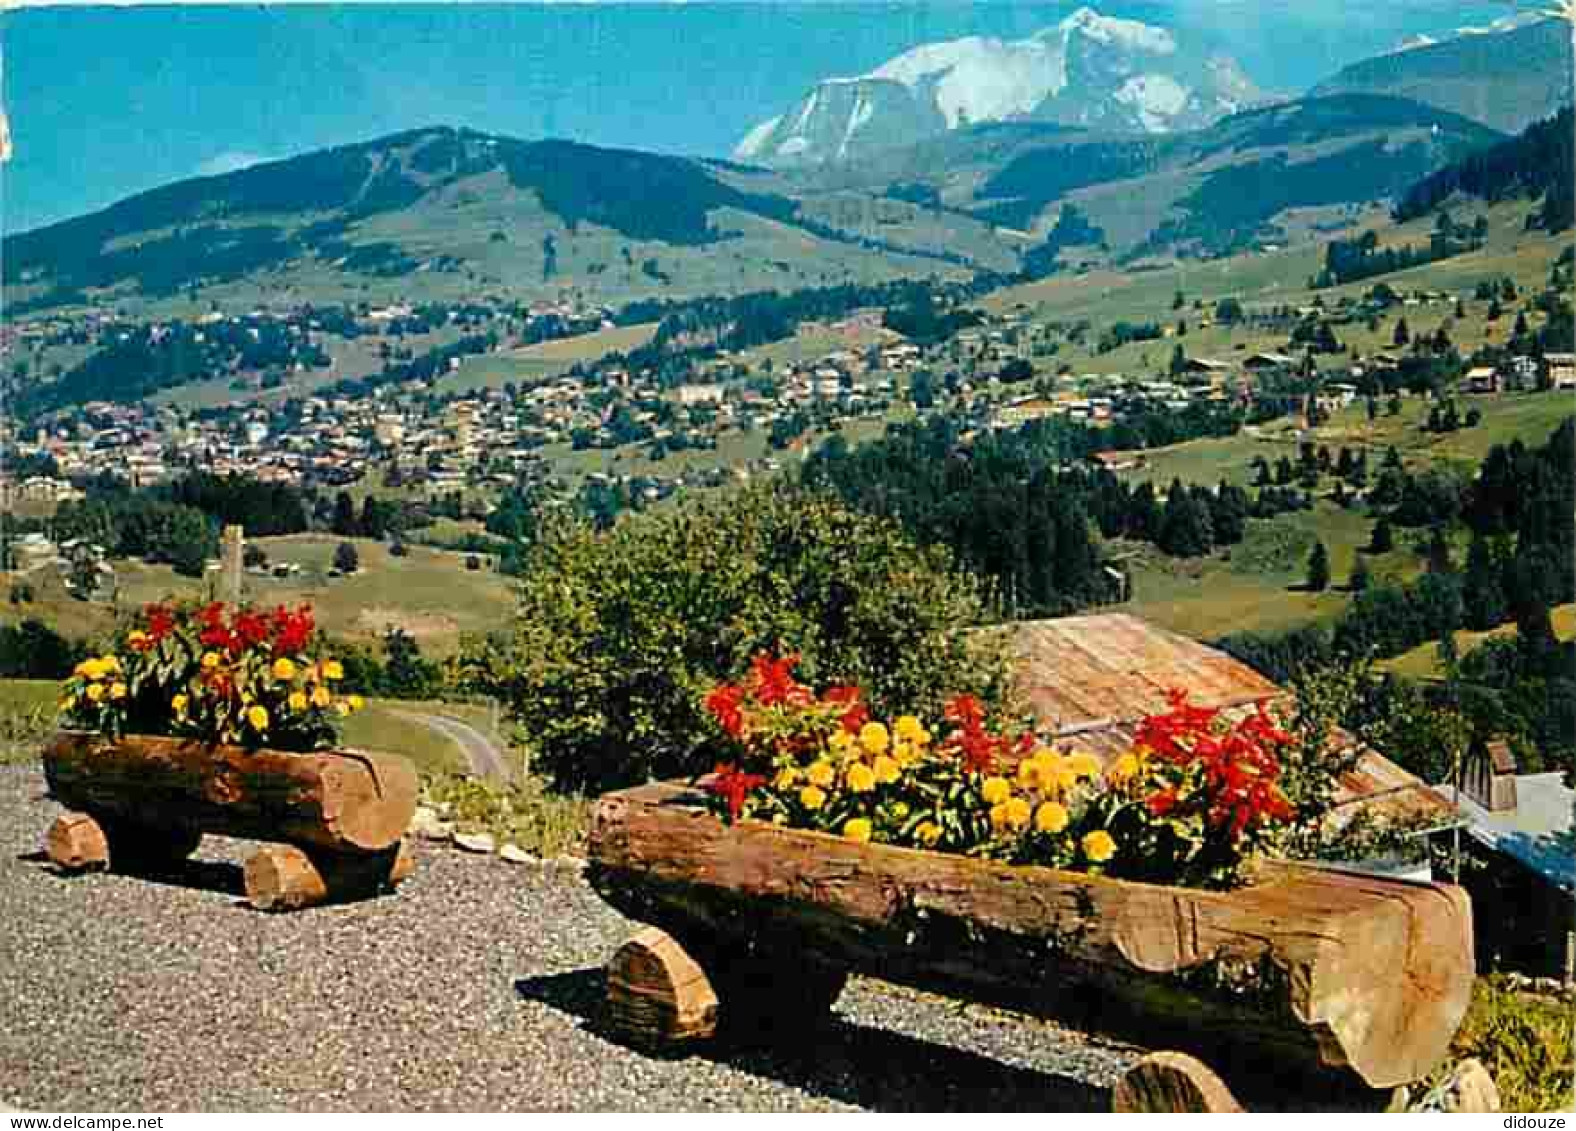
{"x": 206, "y": 719}
{"x": 1133, "y": 898}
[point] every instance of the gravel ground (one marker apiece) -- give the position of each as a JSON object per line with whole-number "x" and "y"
{"x": 477, "y": 987}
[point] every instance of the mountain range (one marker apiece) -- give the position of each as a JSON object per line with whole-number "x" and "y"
{"x": 981, "y": 168}
{"x": 1089, "y": 70}
{"x": 1506, "y": 76}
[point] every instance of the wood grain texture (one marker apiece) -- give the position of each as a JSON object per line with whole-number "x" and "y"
{"x": 1172, "y": 1082}
{"x": 1325, "y": 972}
{"x": 282, "y": 877}
{"x": 657, "y": 994}
{"x": 76, "y": 843}
{"x": 341, "y": 801}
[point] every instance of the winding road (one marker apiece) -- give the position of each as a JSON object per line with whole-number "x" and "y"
{"x": 484, "y": 756}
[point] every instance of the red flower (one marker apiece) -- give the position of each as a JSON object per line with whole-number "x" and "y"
{"x": 160, "y": 621}
{"x": 252, "y": 628}
{"x": 1163, "y": 802}
{"x": 292, "y": 630}
{"x": 855, "y": 713}
{"x": 724, "y": 705}
{"x": 733, "y": 785}
{"x": 773, "y": 682}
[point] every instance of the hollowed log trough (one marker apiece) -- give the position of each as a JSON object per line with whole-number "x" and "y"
{"x": 141, "y": 802}
{"x": 1306, "y": 977}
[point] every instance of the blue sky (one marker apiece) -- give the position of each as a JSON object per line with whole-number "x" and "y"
{"x": 105, "y": 102}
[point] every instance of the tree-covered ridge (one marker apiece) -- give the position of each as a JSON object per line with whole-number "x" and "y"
{"x": 137, "y": 361}
{"x": 222, "y": 227}
{"x": 1537, "y": 164}
{"x": 1022, "y": 508}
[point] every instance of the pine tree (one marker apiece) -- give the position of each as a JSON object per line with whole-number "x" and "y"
{"x": 1185, "y": 532}
{"x": 1361, "y": 579}
{"x": 1383, "y": 540}
{"x": 1319, "y": 568}
{"x": 1402, "y": 335}
{"x": 1484, "y": 598}
{"x": 344, "y": 522}
{"x": 1439, "y": 551}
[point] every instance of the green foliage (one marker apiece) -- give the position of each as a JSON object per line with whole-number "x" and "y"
{"x": 1525, "y": 1042}
{"x": 621, "y": 633}
{"x": 33, "y": 650}
{"x": 1319, "y": 568}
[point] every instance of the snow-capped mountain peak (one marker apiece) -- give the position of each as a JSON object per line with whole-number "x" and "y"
{"x": 1087, "y": 70}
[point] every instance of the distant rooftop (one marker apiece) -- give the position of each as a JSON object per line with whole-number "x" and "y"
{"x": 1092, "y": 679}
{"x": 1538, "y": 832}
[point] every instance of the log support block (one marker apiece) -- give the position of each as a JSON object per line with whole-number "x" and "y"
{"x": 76, "y": 843}
{"x": 282, "y": 877}
{"x": 1172, "y": 1082}
{"x": 657, "y": 995}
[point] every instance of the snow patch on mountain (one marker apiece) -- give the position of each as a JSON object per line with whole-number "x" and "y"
{"x": 981, "y": 80}
{"x": 1155, "y": 98}
{"x": 1088, "y": 71}
{"x": 1503, "y": 24}
{"x": 756, "y": 139}
{"x": 1129, "y": 34}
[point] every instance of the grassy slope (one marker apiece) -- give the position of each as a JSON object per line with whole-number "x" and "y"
{"x": 429, "y": 593}
{"x": 1257, "y": 588}
{"x": 1422, "y": 662}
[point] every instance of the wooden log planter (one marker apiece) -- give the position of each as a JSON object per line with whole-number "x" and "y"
{"x": 143, "y": 801}
{"x": 1313, "y": 976}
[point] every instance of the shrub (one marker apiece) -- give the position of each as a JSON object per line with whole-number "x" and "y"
{"x": 620, "y": 633}
{"x": 346, "y": 559}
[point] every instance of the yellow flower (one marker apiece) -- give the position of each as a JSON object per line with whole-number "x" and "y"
{"x": 900, "y": 810}
{"x": 998, "y": 816}
{"x": 179, "y": 703}
{"x": 83, "y": 669}
{"x": 321, "y": 696}
{"x": 1084, "y": 765}
{"x": 874, "y": 738}
{"x": 95, "y": 691}
{"x": 928, "y": 832}
{"x": 906, "y": 753}
{"x": 210, "y": 659}
{"x": 1099, "y": 846}
{"x": 1124, "y": 769}
{"x": 257, "y": 715}
{"x": 887, "y": 770}
{"x": 841, "y": 742}
{"x": 812, "y": 797}
{"x": 821, "y": 774}
{"x": 910, "y": 729}
{"x": 995, "y": 790}
{"x": 297, "y": 701}
{"x": 117, "y": 690}
{"x": 1028, "y": 774}
{"x": 857, "y": 830}
{"x": 284, "y": 668}
{"x": 786, "y": 779}
{"x": 137, "y": 636}
{"x": 342, "y": 707}
{"x": 861, "y": 778}
{"x": 356, "y": 702}
{"x": 65, "y": 703}
{"x": 111, "y": 663}
{"x": 333, "y": 669}
{"x": 93, "y": 669}
{"x": 1050, "y": 817}
{"x": 1017, "y": 813}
